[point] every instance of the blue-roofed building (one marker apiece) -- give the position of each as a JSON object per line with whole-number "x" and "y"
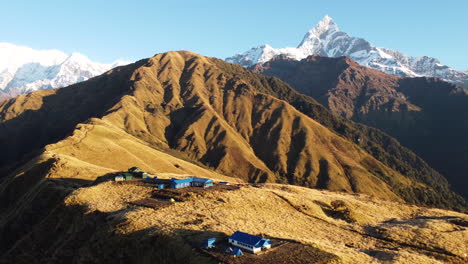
{"x": 159, "y": 182}
{"x": 249, "y": 242}
{"x": 202, "y": 182}
{"x": 181, "y": 183}
{"x": 237, "y": 252}
{"x": 209, "y": 243}
{"x": 196, "y": 182}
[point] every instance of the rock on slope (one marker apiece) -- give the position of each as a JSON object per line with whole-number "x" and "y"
{"x": 23, "y": 70}
{"x": 326, "y": 39}
{"x": 425, "y": 114}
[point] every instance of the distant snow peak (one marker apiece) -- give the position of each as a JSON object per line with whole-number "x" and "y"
{"x": 23, "y": 69}
{"x": 78, "y": 58}
{"x": 326, "y": 25}
{"x": 326, "y": 39}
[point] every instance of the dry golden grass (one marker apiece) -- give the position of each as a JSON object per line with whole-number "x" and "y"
{"x": 98, "y": 147}
{"x": 293, "y": 213}
{"x": 19, "y": 104}
{"x": 189, "y": 103}
{"x": 184, "y": 101}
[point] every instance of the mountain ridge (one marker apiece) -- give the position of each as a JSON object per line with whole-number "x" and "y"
{"x": 23, "y": 70}
{"x": 326, "y": 39}
{"x": 425, "y": 114}
{"x": 218, "y": 114}
{"x": 179, "y": 115}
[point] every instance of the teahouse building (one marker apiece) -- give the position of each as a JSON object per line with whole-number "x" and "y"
{"x": 135, "y": 170}
{"x": 249, "y": 242}
{"x": 180, "y": 183}
{"x": 202, "y": 182}
{"x": 127, "y": 176}
{"x": 195, "y": 182}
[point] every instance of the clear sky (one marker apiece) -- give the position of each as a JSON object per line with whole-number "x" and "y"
{"x": 118, "y": 29}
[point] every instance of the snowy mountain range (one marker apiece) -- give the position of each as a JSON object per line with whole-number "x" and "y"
{"x": 23, "y": 69}
{"x": 326, "y": 39}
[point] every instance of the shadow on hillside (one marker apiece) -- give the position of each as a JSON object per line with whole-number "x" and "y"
{"x": 77, "y": 183}
{"x": 381, "y": 254}
{"x": 28, "y": 199}
{"x": 43, "y": 228}
{"x": 70, "y": 233}
{"x": 72, "y": 182}
{"x": 14, "y": 187}
{"x": 60, "y": 112}
{"x": 421, "y": 221}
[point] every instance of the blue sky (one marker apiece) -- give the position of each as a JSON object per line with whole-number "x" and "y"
{"x": 109, "y": 30}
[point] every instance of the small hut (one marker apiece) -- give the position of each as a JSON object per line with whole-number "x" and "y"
{"x": 119, "y": 178}
{"x": 135, "y": 170}
{"x": 209, "y": 243}
{"x": 127, "y": 176}
{"x": 237, "y": 252}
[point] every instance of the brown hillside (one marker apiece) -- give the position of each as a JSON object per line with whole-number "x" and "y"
{"x": 187, "y": 102}
{"x": 379, "y": 144}
{"x": 180, "y": 114}
{"x": 425, "y": 114}
{"x": 226, "y": 124}
{"x": 342, "y": 85}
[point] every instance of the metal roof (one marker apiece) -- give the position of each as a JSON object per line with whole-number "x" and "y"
{"x": 204, "y": 180}
{"x": 249, "y": 239}
{"x": 179, "y": 181}
{"x": 210, "y": 242}
{"x": 188, "y": 180}
{"x": 237, "y": 252}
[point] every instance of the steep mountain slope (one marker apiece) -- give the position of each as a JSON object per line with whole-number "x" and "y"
{"x": 342, "y": 85}
{"x": 180, "y": 114}
{"x": 23, "y": 70}
{"x": 383, "y": 147}
{"x": 223, "y": 119}
{"x": 326, "y": 39}
{"x": 427, "y": 115}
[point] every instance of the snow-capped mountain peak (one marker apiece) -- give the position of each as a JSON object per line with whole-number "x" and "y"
{"x": 78, "y": 58}
{"x": 326, "y": 39}
{"x": 23, "y": 69}
{"x": 326, "y": 25}
{"x": 318, "y": 36}
{"x": 79, "y": 62}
